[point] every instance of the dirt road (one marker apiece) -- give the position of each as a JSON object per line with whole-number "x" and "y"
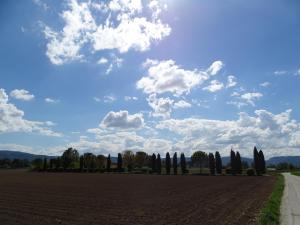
{"x": 290, "y": 207}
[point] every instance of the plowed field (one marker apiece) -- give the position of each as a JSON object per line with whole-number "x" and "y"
{"x": 30, "y": 198}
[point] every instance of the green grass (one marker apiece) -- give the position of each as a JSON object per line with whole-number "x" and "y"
{"x": 296, "y": 173}
{"x": 270, "y": 214}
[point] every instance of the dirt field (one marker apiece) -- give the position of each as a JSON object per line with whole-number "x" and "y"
{"x": 28, "y": 198}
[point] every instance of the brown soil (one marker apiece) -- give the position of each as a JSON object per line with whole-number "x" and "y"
{"x": 29, "y": 198}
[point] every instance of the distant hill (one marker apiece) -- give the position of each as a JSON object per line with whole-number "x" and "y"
{"x": 6, "y": 154}
{"x": 295, "y": 160}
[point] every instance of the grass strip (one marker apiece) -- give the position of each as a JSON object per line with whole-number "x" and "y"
{"x": 270, "y": 214}
{"x": 296, "y": 173}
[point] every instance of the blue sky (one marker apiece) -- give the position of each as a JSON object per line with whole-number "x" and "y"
{"x": 157, "y": 76}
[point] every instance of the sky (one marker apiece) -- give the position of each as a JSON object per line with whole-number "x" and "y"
{"x": 150, "y": 75}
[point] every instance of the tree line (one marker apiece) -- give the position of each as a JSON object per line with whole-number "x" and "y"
{"x": 141, "y": 162}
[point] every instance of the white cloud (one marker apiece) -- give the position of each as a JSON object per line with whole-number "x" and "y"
{"x": 102, "y": 60}
{"x": 41, "y": 3}
{"x": 297, "y": 72}
{"x": 130, "y": 98}
{"x": 182, "y": 104}
{"x": 21, "y": 94}
{"x": 162, "y": 107}
{"x": 123, "y": 26}
{"x": 280, "y": 72}
{"x": 115, "y": 63}
{"x": 215, "y": 67}
{"x": 52, "y": 100}
{"x": 251, "y": 97}
{"x": 231, "y": 81}
{"x": 166, "y": 76}
{"x": 12, "y": 120}
{"x": 265, "y": 84}
{"x": 122, "y": 120}
{"x": 273, "y": 132}
{"x": 214, "y": 86}
{"x": 109, "y": 98}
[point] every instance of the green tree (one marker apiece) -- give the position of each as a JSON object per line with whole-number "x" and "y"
{"x": 37, "y": 164}
{"x": 168, "y": 163}
{"x": 153, "y": 163}
{"x": 199, "y": 158}
{"x": 108, "y": 163}
{"x": 211, "y": 164}
{"x": 182, "y": 163}
{"x": 128, "y": 159}
{"x": 232, "y": 162}
{"x": 158, "y": 164}
{"x": 256, "y": 161}
{"x": 262, "y": 162}
{"x": 140, "y": 159}
{"x": 218, "y": 163}
{"x": 175, "y": 163}
{"x": 101, "y": 161}
{"x": 89, "y": 161}
{"x": 120, "y": 162}
{"x": 81, "y": 164}
{"x": 238, "y": 163}
{"x": 70, "y": 158}
{"x": 45, "y": 165}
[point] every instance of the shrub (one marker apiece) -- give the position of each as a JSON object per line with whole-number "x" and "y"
{"x": 250, "y": 172}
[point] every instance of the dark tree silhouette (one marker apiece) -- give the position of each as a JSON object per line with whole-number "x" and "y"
{"x": 119, "y": 162}
{"x": 262, "y": 162}
{"x": 89, "y": 161}
{"x": 182, "y": 163}
{"x": 51, "y": 162}
{"x": 140, "y": 159}
{"x": 69, "y": 158}
{"x": 256, "y": 161}
{"x": 108, "y": 163}
{"x": 218, "y": 163}
{"x": 45, "y": 166}
{"x": 153, "y": 163}
{"x": 175, "y": 163}
{"x": 199, "y": 158}
{"x": 101, "y": 162}
{"x": 158, "y": 164}
{"x": 232, "y": 162}
{"x": 168, "y": 163}
{"x": 128, "y": 159}
{"x": 211, "y": 163}
{"x": 81, "y": 163}
{"x": 238, "y": 163}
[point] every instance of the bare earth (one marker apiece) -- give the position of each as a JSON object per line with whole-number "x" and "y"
{"x": 28, "y": 198}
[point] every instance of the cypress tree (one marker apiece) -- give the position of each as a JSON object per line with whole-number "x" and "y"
{"x": 153, "y": 163}
{"x": 108, "y": 163}
{"x": 175, "y": 163}
{"x": 158, "y": 164}
{"x": 238, "y": 163}
{"x": 256, "y": 161}
{"x": 45, "y": 164}
{"x": 168, "y": 163}
{"x": 218, "y": 163}
{"x": 120, "y": 162}
{"x": 81, "y": 163}
{"x": 211, "y": 163}
{"x": 232, "y": 162}
{"x": 262, "y": 162}
{"x": 51, "y": 164}
{"x": 182, "y": 163}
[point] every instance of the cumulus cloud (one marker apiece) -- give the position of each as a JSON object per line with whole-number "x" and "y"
{"x": 123, "y": 26}
{"x": 12, "y": 120}
{"x": 215, "y": 67}
{"x": 21, "y": 94}
{"x": 264, "y": 129}
{"x": 231, "y": 81}
{"x": 122, "y": 120}
{"x": 280, "y": 72}
{"x": 182, "y": 104}
{"x": 251, "y": 97}
{"x": 166, "y": 76}
{"x": 162, "y": 107}
{"x": 52, "y": 100}
{"x": 214, "y": 86}
{"x": 265, "y": 84}
{"x": 102, "y": 60}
